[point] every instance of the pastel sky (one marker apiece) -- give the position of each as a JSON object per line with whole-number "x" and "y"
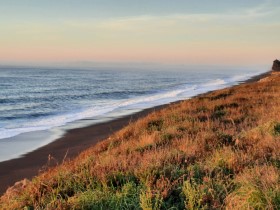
{"x": 171, "y": 31}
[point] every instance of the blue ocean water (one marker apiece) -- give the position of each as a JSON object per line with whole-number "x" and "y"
{"x": 38, "y": 99}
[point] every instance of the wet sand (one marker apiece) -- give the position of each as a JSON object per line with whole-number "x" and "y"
{"x": 66, "y": 147}
{"x": 69, "y": 146}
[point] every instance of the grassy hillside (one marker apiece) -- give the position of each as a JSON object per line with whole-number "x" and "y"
{"x": 218, "y": 150}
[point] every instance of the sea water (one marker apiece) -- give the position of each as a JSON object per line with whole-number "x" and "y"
{"x": 36, "y": 100}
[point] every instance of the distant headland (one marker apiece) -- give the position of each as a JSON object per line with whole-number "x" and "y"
{"x": 276, "y": 65}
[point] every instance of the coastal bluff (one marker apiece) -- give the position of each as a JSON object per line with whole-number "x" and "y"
{"x": 205, "y": 152}
{"x": 276, "y": 65}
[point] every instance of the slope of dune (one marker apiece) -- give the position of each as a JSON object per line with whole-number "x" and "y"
{"x": 217, "y": 150}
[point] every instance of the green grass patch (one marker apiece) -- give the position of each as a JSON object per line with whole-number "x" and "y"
{"x": 276, "y": 129}
{"x": 155, "y": 125}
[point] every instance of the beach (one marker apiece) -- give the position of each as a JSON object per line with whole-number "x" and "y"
{"x": 217, "y": 147}
{"x": 70, "y": 145}
{"x": 139, "y": 105}
{"x": 67, "y": 147}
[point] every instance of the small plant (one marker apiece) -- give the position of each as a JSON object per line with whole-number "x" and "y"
{"x": 145, "y": 148}
{"x": 218, "y": 114}
{"x": 155, "y": 125}
{"x": 146, "y": 202}
{"x": 277, "y": 129}
{"x": 150, "y": 200}
{"x": 219, "y": 107}
{"x": 202, "y": 109}
{"x": 194, "y": 195}
{"x": 232, "y": 105}
{"x": 225, "y": 139}
{"x": 165, "y": 140}
{"x": 196, "y": 173}
{"x": 202, "y": 118}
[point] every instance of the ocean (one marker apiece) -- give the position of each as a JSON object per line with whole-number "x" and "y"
{"x": 36, "y": 102}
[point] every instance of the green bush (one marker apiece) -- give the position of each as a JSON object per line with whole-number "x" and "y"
{"x": 155, "y": 125}
{"x": 277, "y": 129}
{"x": 126, "y": 198}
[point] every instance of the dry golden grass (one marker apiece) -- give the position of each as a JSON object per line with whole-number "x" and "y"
{"x": 220, "y": 150}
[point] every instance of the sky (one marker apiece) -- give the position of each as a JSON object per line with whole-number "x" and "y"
{"x": 163, "y": 31}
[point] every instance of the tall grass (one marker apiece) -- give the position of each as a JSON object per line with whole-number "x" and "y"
{"x": 220, "y": 150}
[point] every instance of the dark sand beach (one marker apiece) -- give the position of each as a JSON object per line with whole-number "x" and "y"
{"x": 68, "y": 146}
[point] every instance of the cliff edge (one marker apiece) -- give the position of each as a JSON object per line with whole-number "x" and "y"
{"x": 276, "y": 65}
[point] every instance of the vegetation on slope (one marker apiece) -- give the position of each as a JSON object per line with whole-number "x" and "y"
{"x": 218, "y": 150}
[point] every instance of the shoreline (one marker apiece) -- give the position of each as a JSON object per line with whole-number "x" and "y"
{"x": 67, "y": 147}
{"x": 73, "y": 143}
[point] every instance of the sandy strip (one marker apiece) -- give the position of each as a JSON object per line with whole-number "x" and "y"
{"x": 71, "y": 144}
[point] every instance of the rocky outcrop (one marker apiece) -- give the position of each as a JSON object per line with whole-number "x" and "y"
{"x": 276, "y": 65}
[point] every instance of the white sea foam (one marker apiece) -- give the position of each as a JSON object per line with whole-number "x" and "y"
{"x": 214, "y": 83}
{"x": 181, "y": 92}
